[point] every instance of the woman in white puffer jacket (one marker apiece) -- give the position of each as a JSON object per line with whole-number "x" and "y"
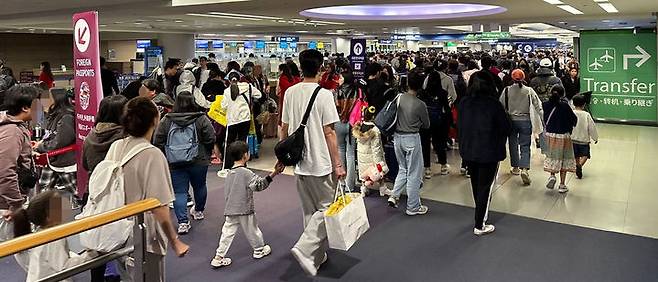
{"x": 370, "y": 154}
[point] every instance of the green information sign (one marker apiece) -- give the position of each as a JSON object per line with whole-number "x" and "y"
{"x": 487, "y": 36}
{"x": 619, "y": 67}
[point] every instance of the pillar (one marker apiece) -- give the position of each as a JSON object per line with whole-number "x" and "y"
{"x": 179, "y": 46}
{"x": 340, "y": 45}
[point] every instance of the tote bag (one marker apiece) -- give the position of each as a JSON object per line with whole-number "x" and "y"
{"x": 346, "y": 226}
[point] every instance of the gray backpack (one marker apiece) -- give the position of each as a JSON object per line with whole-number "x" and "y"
{"x": 182, "y": 143}
{"x": 388, "y": 116}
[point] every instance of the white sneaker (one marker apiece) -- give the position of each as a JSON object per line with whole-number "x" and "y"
{"x": 171, "y": 205}
{"x": 525, "y": 177}
{"x": 218, "y": 262}
{"x": 184, "y": 228}
{"x": 563, "y": 188}
{"x": 515, "y": 171}
{"x": 384, "y": 191}
{"x": 392, "y": 202}
{"x": 487, "y": 229}
{"x": 463, "y": 171}
{"x": 445, "y": 169}
{"x": 422, "y": 210}
{"x": 190, "y": 203}
{"x": 551, "y": 182}
{"x": 197, "y": 215}
{"x": 265, "y": 251}
{"x": 428, "y": 173}
{"x": 306, "y": 263}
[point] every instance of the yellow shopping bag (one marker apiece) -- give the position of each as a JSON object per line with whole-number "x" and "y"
{"x": 217, "y": 113}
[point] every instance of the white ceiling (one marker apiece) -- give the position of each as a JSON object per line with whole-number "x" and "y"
{"x": 156, "y": 16}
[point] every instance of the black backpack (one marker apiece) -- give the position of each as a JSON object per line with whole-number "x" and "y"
{"x": 290, "y": 151}
{"x": 436, "y": 103}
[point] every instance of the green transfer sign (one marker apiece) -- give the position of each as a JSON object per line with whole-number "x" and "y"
{"x": 619, "y": 67}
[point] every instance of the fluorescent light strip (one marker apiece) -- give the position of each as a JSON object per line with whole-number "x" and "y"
{"x": 608, "y": 7}
{"x": 325, "y": 22}
{"x": 245, "y": 15}
{"x": 554, "y": 2}
{"x": 223, "y": 17}
{"x": 600, "y": 1}
{"x": 570, "y": 9}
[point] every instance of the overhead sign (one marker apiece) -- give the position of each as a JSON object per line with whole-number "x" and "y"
{"x": 87, "y": 83}
{"x": 260, "y": 44}
{"x": 285, "y": 38}
{"x": 320, "y": 45}
{"x": 619, "y": 67}
{"x": 283, "y": 45}
{"x": 312, "y": 45}
{"x": 218, "y": 44}
{"x": 488, "y": 36}
{"x": 249, "y": 44}
{"x": 143, "y": 44}
{"x": 201, "y": 44}
{"x": 358, "y": 57}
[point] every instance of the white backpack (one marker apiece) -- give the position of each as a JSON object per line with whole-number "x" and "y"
{"x": 106, "y": 192}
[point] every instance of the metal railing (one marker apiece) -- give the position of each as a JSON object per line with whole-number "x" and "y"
{"x": 49, "y": 235}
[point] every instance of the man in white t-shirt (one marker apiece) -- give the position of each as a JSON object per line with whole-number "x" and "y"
{"x": 317, "y": 173}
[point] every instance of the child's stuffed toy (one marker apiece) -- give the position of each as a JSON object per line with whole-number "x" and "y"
{"x": 375, "y": 173}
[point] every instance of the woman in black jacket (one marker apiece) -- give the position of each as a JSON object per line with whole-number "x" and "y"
{"x": 571, "y": 83}
{"x": 560, "y": 121}
{"x": 194, "y": 170}
{"x": 483, "y": 130}
{"x": 60, "y": 133}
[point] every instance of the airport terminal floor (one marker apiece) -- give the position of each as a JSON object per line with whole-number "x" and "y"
{"x": 604, "y": 229}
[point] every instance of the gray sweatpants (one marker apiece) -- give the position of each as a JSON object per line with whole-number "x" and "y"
{"x": 249, "y": 227}
{"x": 316, "y": 194}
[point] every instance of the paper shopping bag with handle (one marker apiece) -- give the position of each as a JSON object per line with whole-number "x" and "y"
{"x": 216, "y": 112}
{"x": 346, "y": 219}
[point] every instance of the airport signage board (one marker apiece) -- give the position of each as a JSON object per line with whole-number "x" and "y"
{"x": 143, "y": 44}
{"x": 87, "y": 83}
{"x": 312, "y": 45}
{"x": 488, "y": 36}
{"x": 260, "y": 44}
{"x": 285, "y": 38}
{"x": 358, "y": 57}
{"x": 218, "y": 44}
{"x": 201, "y": 44}
{"x": 619, "y": 67}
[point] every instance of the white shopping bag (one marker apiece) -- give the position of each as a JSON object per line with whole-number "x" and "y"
{"x": 346, "y": 227}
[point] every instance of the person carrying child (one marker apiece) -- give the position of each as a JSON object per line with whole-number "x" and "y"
{"x": 370, "y": 154}
{"x": 239, "y": 211}
{"x": 583, "y": 133}
{"x": 44, "y": 211}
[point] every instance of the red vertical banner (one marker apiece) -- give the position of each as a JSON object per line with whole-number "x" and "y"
{"x": 88, "y": 88}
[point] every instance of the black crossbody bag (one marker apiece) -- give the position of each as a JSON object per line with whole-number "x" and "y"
{"x": 290, "y": 151}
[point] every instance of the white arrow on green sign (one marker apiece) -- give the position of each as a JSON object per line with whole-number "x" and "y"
{"x": 643, "y": 56}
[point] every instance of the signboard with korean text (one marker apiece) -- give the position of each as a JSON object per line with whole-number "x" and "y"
{"x": 358, "y": 57}
{"x": 87, "y": 83}
{"x": 619, "y": 67}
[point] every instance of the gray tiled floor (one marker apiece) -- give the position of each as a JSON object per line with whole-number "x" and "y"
{"x": 618, "y": 193}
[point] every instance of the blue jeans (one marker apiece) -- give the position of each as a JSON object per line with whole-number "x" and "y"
{"x": 181, "y": 179}
{"x": 347, "y": 149}
{"x": 520, "y": 139}
{"x": 410, "y": 159}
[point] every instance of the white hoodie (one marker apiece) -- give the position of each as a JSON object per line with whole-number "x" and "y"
{"x": 238, "y": 111}
{"x": 187, "y": 82}
{"x": 585, "y": 129}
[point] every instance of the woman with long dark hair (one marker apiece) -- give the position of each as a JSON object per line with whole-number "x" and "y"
{"x": 346, "y": 96}
{"x": 46, "y": 75}
{"x": 237, "y": 101}
{"x": 60, "y": 133}
{"x": 186, "y": 115}
{"x": 286, "y": 79}
{"x": 560, "y": 121}
{"x": 483, "y": 130}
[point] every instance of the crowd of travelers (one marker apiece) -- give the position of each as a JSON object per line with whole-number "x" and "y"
{"x": 488, "y": 105}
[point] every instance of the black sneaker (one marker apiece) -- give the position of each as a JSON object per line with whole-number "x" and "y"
{"x": 579, "y": 171}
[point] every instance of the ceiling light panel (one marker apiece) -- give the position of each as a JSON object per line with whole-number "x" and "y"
{"x": 608, "y": 7}
{"x": 176, "y": 3}
{"x": 570, "y": 9}
{"x": 246, "y": 16}
{"x": 223, "y": 17}
{"x": 554, "y": 2}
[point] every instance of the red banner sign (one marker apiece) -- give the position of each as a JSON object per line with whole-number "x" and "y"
{"x": 88, "y": 87}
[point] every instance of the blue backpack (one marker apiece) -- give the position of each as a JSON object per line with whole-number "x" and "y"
{"x": 182, "y": 143}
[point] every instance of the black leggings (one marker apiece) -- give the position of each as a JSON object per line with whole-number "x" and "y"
{"x": 236, "y": 132}
{"x": 436, "y": 136}
{"x": 482, "y": 181}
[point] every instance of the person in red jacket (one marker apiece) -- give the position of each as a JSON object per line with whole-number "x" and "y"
{"x": 286, "y": 79}
{"x": 46, "y": 75}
